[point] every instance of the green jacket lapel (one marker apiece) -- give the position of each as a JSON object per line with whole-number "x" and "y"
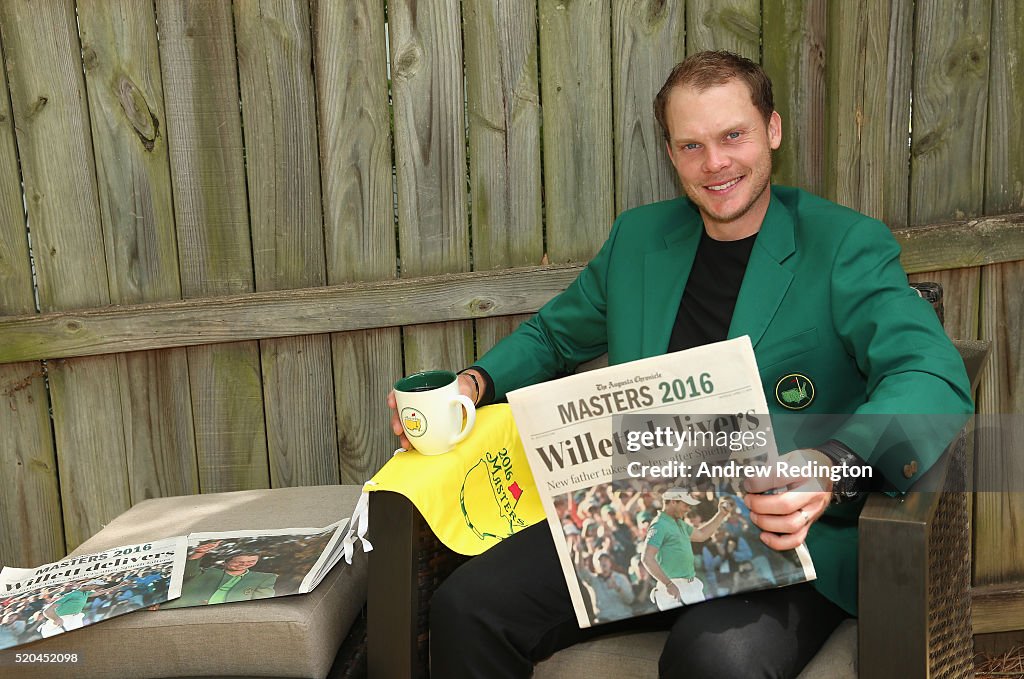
{"x": 766, "y": 281}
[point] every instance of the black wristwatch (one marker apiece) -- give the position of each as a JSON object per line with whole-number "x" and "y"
{"x": 847, "y": 488}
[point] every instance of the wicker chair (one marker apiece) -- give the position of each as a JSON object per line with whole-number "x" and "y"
{"x": 914, "y": 581}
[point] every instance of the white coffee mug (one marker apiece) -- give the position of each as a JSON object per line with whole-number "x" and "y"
{"x": 430, "y": 408}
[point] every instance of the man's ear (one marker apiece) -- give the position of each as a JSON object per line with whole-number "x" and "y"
{"x": 774, "y": 130}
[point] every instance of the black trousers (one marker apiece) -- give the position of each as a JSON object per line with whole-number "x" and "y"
{"x": 508, "y": 608}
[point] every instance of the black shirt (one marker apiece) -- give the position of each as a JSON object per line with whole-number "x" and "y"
{"x": 709, "y": 298}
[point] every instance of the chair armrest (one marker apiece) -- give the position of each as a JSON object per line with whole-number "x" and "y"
{"x": 914, "y": 567}
{"x": 406, "y": 565}
{"x": 914, "y": 577}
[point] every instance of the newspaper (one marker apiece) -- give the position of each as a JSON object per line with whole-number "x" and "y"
{"x": 224, "y": 567}
{"x": 609, "y": 448}
{"x": 41, "y": 602}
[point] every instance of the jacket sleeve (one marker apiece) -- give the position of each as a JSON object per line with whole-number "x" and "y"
{"x": 570, "y": 329}
{"x": 266, "y": 587}
{"x": 918, "y": 394}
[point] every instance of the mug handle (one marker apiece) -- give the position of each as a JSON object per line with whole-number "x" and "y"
{"x": 470, "y": 416}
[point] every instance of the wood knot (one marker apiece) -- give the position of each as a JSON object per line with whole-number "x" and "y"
{"x": 133, "y": 103}
{"x": 89, "y": 57}
{"x": 407, "y": 64}
{"x": 481, "y": 306}
{"x": 73, "y": 326}
{"x": 38, "y": 106}
{"x": 966, "y": 60}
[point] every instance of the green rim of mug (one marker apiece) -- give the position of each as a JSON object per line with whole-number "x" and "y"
{"x": 433, "y": 379}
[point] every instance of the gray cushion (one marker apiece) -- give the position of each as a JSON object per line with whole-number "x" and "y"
{"x": 292, "y": 636}
{"x": 635, "y": 656}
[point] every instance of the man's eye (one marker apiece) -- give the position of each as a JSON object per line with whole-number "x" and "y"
{"x": 733, "y": 135}
{"x": 690, "y": 147}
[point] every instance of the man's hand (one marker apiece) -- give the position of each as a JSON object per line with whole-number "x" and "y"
{"x": 201, "y": 550}
{"x": 466, "y": 388}
{"x": 673, "y": 591}
{"x": 785, "y": 516}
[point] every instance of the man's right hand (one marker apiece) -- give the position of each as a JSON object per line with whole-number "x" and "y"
{"x": 201, "y": 550}
{"x": 466, "y": 388}
{"x": 673, "y": 591}
{"x": 396, "y": 422}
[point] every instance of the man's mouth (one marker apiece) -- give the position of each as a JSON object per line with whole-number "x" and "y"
{"x": 724, "y": 186}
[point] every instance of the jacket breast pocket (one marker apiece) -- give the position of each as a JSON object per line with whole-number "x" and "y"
{"x": 785, "y": 349}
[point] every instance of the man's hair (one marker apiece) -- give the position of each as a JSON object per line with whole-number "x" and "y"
{"x": 704, "y": 70}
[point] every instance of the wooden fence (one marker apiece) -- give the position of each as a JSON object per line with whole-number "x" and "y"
{"x": 272, "y": 208}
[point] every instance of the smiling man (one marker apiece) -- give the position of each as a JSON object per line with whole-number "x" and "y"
{"x": 236, "y": 581}
{"x": 819, "y": 290}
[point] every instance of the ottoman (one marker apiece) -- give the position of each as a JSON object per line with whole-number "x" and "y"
{"x": 292, "y": 636}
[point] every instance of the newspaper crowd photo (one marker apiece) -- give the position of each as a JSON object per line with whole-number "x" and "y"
{"x": 196, "y": 570}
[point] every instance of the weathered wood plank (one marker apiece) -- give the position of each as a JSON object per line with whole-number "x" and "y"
{"x": 122, "y": 69}
{"x": 503, "y": 98}
{"x": 158, "y": 426}
{"x": 794, "y": 56}
{"x": 275, "y": 60}
{"x": 950, "y": 100}
{"x": 1000, "y": 547}
{"x": 579, "y": 187}
{"x": 867, "y": 113}
{"x": 1004, "y": 157}
{"x": 285, "y": 313}
{"x": 648, "y": 39}
{"x": 122, "y": 73}
{"x": 363, "y": 433}
{"x": 33, "y": 531}
{"x": 733, "y": 25}
{"x": 968, "y": 242}
{"x": 299, "y": 390}
{"x": 15, "y": 274}
{"x": 51, "y": 122}
{"x": 228, "y": 414}
{"x": 355, "y": 157}
{"x": 948, "y": 141}
{"x": 999, "y": 552}
{"x": 430, "y": 160}
{"x": 504, "y": 133}
{"x": 420, "y": 300}
{"x": 204, "y": 133}
{"x": 997, "y": 644}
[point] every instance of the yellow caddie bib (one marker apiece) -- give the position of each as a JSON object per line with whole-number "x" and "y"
{"x": 475, "y": 495}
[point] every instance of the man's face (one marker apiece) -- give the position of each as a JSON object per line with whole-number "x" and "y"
{"x": 605, "y": 565}
{"x": 241, "y": 562}
{"x": 676, "y": 508}
{"x": 721, "y": 148}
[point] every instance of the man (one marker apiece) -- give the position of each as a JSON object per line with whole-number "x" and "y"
{"x": 66, "y": 613}
{"x": 668, "y": 551}
{"x": 235, "y": 582}
{"x": 611, "y": 590}
{"x": 835, "y": 328}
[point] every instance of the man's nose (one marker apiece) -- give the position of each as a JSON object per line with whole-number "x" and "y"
{"x": 714, "y": 159}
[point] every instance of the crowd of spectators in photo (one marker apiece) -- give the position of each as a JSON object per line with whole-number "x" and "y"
{"x": 22, "y": 615}
{"x": 606, "y": 525}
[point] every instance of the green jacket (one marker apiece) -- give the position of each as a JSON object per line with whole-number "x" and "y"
{"x": 823, "y": 296}
{"x": 199, "y": 585}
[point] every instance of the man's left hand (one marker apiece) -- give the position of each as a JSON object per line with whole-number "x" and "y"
{"x": 786, "y": 515}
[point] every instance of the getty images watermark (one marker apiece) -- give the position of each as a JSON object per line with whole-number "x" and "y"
{"x": 722, "y": 443}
